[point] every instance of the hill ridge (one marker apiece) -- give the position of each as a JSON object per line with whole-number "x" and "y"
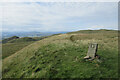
{"x": 60, "y": 56}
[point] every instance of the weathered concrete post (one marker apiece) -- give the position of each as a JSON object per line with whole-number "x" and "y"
{"x": 92, "y": 51}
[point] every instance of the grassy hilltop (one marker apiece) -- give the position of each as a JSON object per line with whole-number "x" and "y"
{"x": 61, "y": 56}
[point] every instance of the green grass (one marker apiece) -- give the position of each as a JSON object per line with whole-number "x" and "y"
{"x": 62, "y": 56}
{"x": 11, "y": 46}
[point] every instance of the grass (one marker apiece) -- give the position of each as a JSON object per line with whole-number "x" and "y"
{"x": 61, "y": 56}
{"x": 10, "y": 48}
{"x": 12, "y": 45}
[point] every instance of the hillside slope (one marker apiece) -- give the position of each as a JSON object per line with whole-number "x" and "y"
{"x": 9, "y": 39}
{"x": 61, "y": 56}
{"x": 13, "y": 44}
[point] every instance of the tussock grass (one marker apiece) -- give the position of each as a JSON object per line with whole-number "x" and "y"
{"x": 61, "y": 56}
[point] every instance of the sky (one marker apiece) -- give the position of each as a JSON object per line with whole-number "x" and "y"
{"x": 58, "y": 16}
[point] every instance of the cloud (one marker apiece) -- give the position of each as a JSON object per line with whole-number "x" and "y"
{"x": 57, "y": 16}
{"x": 97, "y": 27}
{"x": 59, "y": 0}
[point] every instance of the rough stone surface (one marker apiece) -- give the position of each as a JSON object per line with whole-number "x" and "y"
{"x": 92, "y": 50}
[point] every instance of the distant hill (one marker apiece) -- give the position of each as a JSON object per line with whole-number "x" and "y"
{"x": 9, "y": 39}
{"x": 93, "y": 31}
{"x": 24, "y": 39}
{"x": 62, "y": 56}
{"x": 28, "y": 34}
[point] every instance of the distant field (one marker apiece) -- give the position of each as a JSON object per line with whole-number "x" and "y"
{"x": 62, "y": 56}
